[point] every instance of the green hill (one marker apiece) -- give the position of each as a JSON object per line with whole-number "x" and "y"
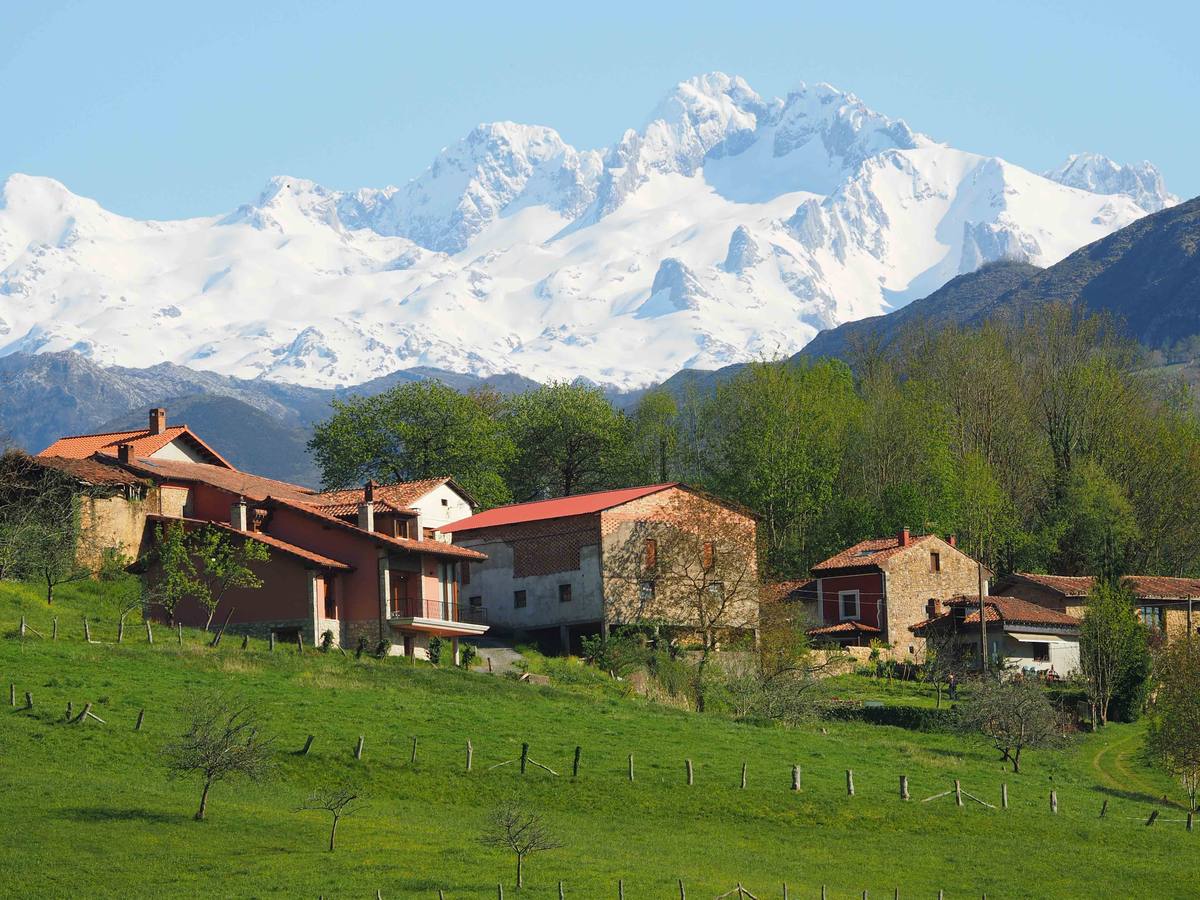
{"x": 88, "y": 809}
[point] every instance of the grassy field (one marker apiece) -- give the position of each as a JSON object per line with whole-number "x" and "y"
{"x": 88, "y": 809}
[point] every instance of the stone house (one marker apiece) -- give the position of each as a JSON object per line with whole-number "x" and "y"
{"x": 879, "y": 588}
{"x": 368, "y": 564}
{"x": 1168, "y": 606}
{"x": 559, "y": 570}
{"x": 1029, "y": 638}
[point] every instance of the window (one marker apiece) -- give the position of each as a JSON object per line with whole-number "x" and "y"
{"x": 518, "y": 599}
{"x": 708, "y": 555}
{"x": 651, "y": 553}
{"x": 1154, "y": 617}
{"x": 935, "y": 562}
{"x": 1041, "y": 652}
{"x": 646, "y": 591}
{"x": 848, "y": 604}
{"x": 716, "y": 590}
{"x": 564, "y": 593}
{"x": 445, "y": 502}
{"x": 476, "y": 602}
{"x": 330, "y": 601}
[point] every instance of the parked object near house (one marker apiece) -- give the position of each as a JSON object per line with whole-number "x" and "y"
{"x": 1163, "y": 602}
{"x": 878, "y": 589}
{"x": 1028, "y": 637}
{"x": 367, "y": 565}
{"x": 559, "y": 570}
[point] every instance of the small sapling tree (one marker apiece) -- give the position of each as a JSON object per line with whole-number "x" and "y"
{"x": 204, "y": 565}
{"x": 223, "y": 742}
{"x": 338, "y": 802}
{"x": 513, "y": 827}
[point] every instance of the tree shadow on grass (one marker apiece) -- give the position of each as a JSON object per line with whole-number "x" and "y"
{"x": 108, "y": 814}
{"x": 1138, "y": 797}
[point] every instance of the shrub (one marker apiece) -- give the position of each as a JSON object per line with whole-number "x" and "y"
{"x": 914, "y": 718}
{"x": 326, "y": 641}
{"x": 435, "y": 650}
{"x": 466, "y": 655}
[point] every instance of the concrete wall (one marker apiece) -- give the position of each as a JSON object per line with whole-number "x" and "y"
{"x": 108, "y": 522}
{"x": 435, "y": 513}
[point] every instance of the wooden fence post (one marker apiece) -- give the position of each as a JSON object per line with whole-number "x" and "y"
{"x": 499, "y": 891}
{"x": 1053, "y": 801}
{"x": 1153, "y": 817}
{"x": 12, "y": 694}
{"x": 620, "y": 889}
{"x": 54, "y": 629}
{"x": 246, "y": 641}
{"x": 299, "y": 641}
{"x": 307, "y": 746}
{"x": 141, "y": 717}
{"x": 1103, "y": 808}
{"x": 823, "y": 894}
{"x": 179, "y": 632}
{"x": 575, "y": 765}
{"x": 70, "y": 711}
{"x": 359, "y": 747}
{"x": 87, "y": 631}
{"x": 682, "y": 890}
{"x": 850, "y": 782}
{"x": 524, "y": 756}
{"x": 631, "y": 767}
{"x": 1189, "y": 821}
{"x": 412, "y": 758}
{"x": 271, "y": 641}
{"x": 470, "y": 754}
{"x": 957, "y": 792}
{"x": 1004, "y": 795}
{"x": 743, "y": 776}
{"x": 28, "y": 700}
{"x": 903, "y": 787}
{"x": 796, "y": 777}
{"x": 149, "y": 633}
{"x": 23, "y": 626}
{"x": 688, "y": 766}
{"x": 120, "y": 631}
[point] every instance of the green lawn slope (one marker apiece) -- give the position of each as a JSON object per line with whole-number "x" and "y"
{"x": 89, "y": 811}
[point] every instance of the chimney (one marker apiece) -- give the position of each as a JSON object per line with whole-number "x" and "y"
{"x": 125, "y": 453}
{"x": 366, "y": 515}
{"x": 934, "y": 607}
{"x": 904, "y": 537}
{"x": 158, "y": 420}
{"x": 953, "y": 541}
{"x": 369, "y": 490}
{"x": 239, "y": 516}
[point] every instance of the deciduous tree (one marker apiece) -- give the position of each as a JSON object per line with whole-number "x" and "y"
{"x": 514, "y": 827}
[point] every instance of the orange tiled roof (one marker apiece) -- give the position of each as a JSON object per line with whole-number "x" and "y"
{"x": 435, "y": 548}
{"x": 1143, "y": 587}
{"x": 1003, "y": 611}
{"x": 253, "y": 487}
{"x": 871, "y": 552}
{"x": 144, "y": 443}
{"x": 842, "y": 628}
{"x": 400, "y": 496}
{"x": 87, "y": 471}
{"x": 800, "y": 590}
{"x": 262, "y": 538}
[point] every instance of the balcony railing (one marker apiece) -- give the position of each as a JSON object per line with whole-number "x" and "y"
{"x": 415, "y": 608}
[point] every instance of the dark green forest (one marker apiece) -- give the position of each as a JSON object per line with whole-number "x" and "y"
{"x": 1045, "y": 444}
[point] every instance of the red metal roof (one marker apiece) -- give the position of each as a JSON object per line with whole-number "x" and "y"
{"x": 144, "y": 443}
{"x": 575, "y": 505}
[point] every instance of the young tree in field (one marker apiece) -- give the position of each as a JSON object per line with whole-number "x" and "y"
{"x": 943, "y": 655}
{"x": 569, "y": 440}
{"x": 423, "y": 429}
{"x": 223, "y": 742}
{"x": 204, "y": 565}
{"x": 1174, "y": 735}
{"x": 702, "y": 571}
{"x": 338, "y": 802}
{"x": 52, "y": 550}
{"x": 1112, "y": 648}
{"x": 120, "y": 590}
{"x": 514, "y": 827}
{"x": 1015, "y": 715}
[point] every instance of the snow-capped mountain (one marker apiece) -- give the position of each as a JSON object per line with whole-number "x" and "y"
{"x": 729, "y": 227}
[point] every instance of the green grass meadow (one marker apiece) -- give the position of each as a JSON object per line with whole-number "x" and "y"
{"x": 88, "y": 809}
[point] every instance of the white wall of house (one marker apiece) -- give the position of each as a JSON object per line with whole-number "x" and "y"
{"x": 1062, "y": 651}
{"x": 441, "y": 506}
{"x": 179, "y": 451}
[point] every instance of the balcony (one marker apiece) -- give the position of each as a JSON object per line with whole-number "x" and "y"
{"x": 439, "y": 616}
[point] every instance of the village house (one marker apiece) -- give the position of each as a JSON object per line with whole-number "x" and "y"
{"x": 1027, "y": 637}
{"x": 559, "y": 570}
{"x": 879, "y": 588}
{"x": 1164, "y": 603}
{"x": 368, "y": 564}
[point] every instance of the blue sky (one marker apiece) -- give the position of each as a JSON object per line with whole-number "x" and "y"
{"x": 168, "y": 109}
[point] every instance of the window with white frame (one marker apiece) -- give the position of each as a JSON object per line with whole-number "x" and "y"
{"x": 848, "y": 605}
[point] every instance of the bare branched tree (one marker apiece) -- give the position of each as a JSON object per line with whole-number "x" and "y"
{"x": 338, "y": 802}
{"x": 223, "y": 742}
{"x": 1015, "y": 715}
{"x": 513, "y": 827}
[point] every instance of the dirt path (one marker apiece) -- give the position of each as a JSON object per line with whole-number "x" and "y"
{"x": 1112, "y": 763}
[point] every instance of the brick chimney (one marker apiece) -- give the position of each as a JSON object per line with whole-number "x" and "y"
{"x": 239, "y": 515}
{"x": 904, "y": 537}
{"x": 158, "y": 420}
{"x": 369, "y": 490}
{"x": 953, "y": 540}
{"x": 366, "y": 509}
{"x": 125, "y": 453}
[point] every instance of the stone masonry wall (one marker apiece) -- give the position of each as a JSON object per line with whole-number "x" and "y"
{"x": 911, "y": 584}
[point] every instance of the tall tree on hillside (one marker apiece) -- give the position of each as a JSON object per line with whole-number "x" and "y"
{"x": 568, "y": 439}
{"x": 423, "y": 429}
{"x": 656, "y": 433}
{"x": 1174, "y": 734}
{"x": 1092, "y": 524}
{"x": 1112, "y": 649}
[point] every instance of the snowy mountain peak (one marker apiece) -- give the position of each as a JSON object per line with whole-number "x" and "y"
{"x": 1142, "y": 182}
{"x": 729, "y": 227}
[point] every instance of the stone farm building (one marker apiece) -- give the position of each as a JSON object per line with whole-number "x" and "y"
{"x": 367, "y": 564}
{"x": 559, "y": 570}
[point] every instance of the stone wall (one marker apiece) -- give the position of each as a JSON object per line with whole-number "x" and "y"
{"x": 911, "y": 583}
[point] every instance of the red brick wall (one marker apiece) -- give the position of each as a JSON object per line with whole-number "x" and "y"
{"x": 541, "y": 548}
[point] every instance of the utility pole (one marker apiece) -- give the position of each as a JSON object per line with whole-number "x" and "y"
{"x": 983, "y": 654}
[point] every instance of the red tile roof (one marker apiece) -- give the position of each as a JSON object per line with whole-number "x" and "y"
{"x": 253, "y": 487}
{"x": 434, "y": 548}
{"x": 1143, "y": 587}
{"x": 1003, "y": 611}
{"x": 143, "y": 441}
{"x": 262, "y": 538}
{"x": 843, "y": 628}
{"x": 400, "y": 495}
{"x": 87, "y": 471}
{"x": 575, "y": 505}
{"x": 802, "y": 590}
{"x": 868, "y": 553}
